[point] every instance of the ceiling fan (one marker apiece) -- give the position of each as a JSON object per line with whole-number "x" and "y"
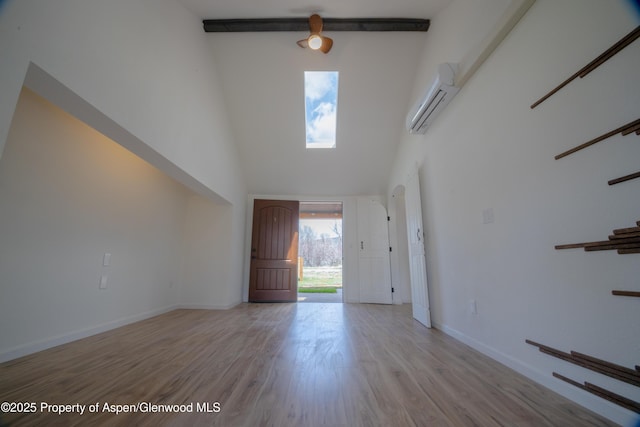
{"x": 316, "y": 41}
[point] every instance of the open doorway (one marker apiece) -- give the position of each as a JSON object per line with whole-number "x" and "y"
{"x": 320, "y": 252}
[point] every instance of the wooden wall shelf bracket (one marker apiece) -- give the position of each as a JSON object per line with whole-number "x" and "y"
{"x": 604, "y": 57}
{"x": 618, "y": 372}
{"x": 620, "y": 130}
{"x": 627, "y": 294}
{"x": 623, "y": 240}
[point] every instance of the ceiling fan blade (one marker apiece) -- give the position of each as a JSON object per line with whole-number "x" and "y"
{"x": 315, "y": 24}
{"x": 327, "y": 43}
{"x": 303, "y": 43}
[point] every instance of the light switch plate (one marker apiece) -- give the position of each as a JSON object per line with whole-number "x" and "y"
{"x": 473, "y": 307}
{"x": 103, "y": 281}
{"x": 487, "y": 216}
{"x": 106, "y": 260}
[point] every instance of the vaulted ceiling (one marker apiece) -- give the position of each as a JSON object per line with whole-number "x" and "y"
{"x": 229, "y": 9}
{"x": 262, "y": 75}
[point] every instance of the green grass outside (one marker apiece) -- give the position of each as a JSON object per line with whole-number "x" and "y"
{"x": 318, "y": 290}
{"x": 321, "y": 277}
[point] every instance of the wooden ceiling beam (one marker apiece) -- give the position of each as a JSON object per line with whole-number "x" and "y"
{"x": 302, "y": 24}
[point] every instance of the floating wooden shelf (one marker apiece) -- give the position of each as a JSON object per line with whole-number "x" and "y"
{"x": 603, "y": 393}
{"x": 623, "y": 240}
{"x": 605, "y": 56}
{"x": 627, "y": 294}
{"x": 618, "y": 372}
{"x": 624, "y": 178}
{"x": 612, "y": 370}
{"x": 623, "y": 130}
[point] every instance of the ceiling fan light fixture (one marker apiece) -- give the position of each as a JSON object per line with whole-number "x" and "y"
{"x": 314, "y": 41}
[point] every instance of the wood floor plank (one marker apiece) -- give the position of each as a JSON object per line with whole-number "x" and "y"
{"x": 282, "y": 365}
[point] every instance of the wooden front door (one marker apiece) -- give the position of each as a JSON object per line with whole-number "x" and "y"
{"x": 274, "y": 251}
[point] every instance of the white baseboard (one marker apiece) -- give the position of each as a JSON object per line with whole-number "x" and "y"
{"x": 207, "y": 306}
{"x": 55, "y": 341}
{"x": 602, "y": 407}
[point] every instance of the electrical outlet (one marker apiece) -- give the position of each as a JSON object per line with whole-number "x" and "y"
{"x": 487, "y": 216}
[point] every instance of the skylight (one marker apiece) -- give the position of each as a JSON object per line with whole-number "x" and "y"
{"x": 321, "y": 105}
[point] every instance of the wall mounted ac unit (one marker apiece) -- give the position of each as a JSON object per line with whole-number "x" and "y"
{"x": 440, "y": 93}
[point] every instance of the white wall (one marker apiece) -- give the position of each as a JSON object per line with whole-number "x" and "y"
{"x": 145, "y": 64}
{"x": 68, "y": 195}
{"x": 139, "y": 72}
{"x": 207, "y": 255}
{"x": 488, "y": 149}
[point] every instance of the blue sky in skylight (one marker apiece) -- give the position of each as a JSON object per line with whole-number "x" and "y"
{"x": 321, "y": 105}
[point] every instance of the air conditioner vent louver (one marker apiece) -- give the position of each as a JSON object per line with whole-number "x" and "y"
{"x": 440, "y": 93}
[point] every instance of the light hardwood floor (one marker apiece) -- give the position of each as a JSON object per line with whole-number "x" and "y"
{"x": 283, "y": 365}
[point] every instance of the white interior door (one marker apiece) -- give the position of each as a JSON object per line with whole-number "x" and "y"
{"x": 374, "y": 268}
{"x": 417, "y": 257}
